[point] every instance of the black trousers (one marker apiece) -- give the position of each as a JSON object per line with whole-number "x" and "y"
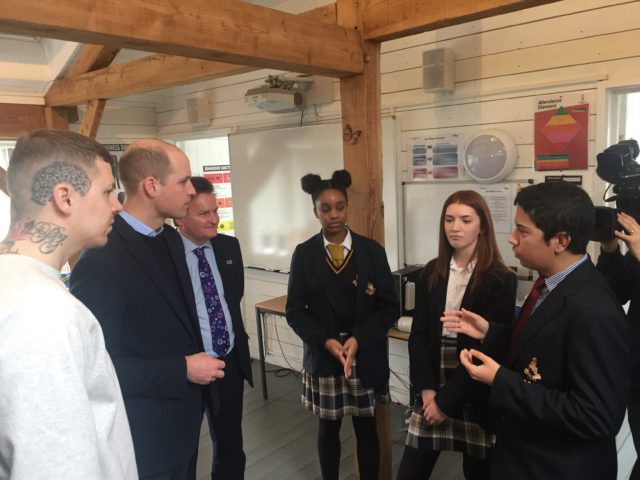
{"x": 186, "y": 471}
{"x": 226, "y": 427}
{"x": 418, "y": 464}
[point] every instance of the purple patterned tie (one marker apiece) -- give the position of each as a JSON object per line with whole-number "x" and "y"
{"x": 219, "y": 332}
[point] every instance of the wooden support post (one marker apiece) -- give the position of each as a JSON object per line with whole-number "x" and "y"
{"x": 3, "y": 181}
{"x": 362, "y": 142}
{"x": 91, "y": 118}
{"x": 362, "y": 153}
{"x": 56, "y": 118}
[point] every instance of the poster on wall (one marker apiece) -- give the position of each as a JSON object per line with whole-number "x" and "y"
{"x": 435, "y": 157}
{"x": 220, "y": 178}
{"x": 561, "y": 133}
{"x": 116, "y": 150}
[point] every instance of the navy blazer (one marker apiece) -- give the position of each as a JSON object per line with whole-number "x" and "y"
{"x": 312, "y": 316}
{"x": 563, "y": 425}
{"x": 494, "y": 299}
{"x": 148, "y": 330}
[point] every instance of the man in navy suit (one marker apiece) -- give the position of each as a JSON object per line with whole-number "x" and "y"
{"x": 561, "y": 394}
{"x": 199, "y": 231}
{"x": 135, "y": 286}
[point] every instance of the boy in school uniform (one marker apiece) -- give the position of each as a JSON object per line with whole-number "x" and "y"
{"x": 561, "y": 395}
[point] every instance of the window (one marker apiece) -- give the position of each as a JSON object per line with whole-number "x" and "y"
{"x": 5, "y": 211}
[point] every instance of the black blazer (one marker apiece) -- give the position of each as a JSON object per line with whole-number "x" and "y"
{"x": 148, "y": 331}
{"x": 494, "y": 299}
{"x": 564, "y": 425}
{"x": 312, "y": 316}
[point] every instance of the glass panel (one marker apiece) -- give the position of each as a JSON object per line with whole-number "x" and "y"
{"x": 5, "y": 152}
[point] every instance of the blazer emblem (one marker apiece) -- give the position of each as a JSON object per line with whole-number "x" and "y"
{"x": 531, "y": 373}
{"x": 229, "y": 262}
{"x": 370, "y": 289}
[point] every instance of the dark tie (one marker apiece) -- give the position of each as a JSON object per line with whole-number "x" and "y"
{"x": 219, "y": 332}
{"x": 337, "y": 254}
{"x": 527, "y": 308}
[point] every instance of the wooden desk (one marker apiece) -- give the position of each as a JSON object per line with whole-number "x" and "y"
{"x": 273, "y": 306}
{"x": 398, "y": 334}
{"x": 276, "y": 306}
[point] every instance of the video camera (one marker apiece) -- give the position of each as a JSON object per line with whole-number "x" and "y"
{"x": 617, "y": 165}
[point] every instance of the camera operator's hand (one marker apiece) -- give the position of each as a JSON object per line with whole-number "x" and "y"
{"x": 630, "y": 235}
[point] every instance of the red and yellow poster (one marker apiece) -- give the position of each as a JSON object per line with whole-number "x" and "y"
{"x": 561, "y": 137}
{"x": 220, "y": 177}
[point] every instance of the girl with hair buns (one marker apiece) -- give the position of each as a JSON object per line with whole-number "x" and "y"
{"x": 341, "y": 303}
{"x": 451, "y": 410}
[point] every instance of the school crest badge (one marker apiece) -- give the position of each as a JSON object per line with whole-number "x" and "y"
{"x": 531, "y": 373}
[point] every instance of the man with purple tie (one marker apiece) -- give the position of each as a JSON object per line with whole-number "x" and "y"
{"x": 560, "y": 397}
{"x": 217, "y": 277}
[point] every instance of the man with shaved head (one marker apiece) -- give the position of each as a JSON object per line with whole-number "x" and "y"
{"x": 138, "y": 288}
{"x": 61, "y": 409}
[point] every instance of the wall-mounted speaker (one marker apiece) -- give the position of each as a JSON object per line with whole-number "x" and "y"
{"x": 438, "y": 70}
{"x": 198, "y": 111}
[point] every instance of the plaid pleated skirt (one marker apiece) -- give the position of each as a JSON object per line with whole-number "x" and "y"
{"x": 334, "y": 397}
{"x": 461, "y": 435}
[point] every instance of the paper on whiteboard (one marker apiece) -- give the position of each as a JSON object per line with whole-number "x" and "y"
{"x": 436, "y": 157}
{"x": 499, "y": 198}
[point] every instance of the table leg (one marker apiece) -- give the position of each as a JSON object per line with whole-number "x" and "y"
{"x": 263, "y": 373}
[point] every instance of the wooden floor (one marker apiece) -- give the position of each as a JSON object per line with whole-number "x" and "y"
{"x": 280, "y": 437}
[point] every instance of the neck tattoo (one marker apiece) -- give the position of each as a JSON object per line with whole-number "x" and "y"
{"x": 8, "y": 246}
{"x": 49, "y": 236}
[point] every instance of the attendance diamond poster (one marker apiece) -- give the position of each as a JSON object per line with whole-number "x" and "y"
{"x": 561, "y": 134}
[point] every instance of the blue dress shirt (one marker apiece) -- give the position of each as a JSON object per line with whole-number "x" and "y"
{"x": 194, "y": 273}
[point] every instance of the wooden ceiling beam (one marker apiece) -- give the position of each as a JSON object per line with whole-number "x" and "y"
{"x": 140, "y": 76}
{"x": 390, "y": 19}
{"x": 16, "y": 119}
{"x": 92, "y": 57}
{"x": 228, "y": 31}
{"x": 154, "y": 73}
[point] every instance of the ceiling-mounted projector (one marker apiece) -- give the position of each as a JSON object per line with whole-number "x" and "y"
{"x": 280, "y": 94}
{"x": 275, "y": 99}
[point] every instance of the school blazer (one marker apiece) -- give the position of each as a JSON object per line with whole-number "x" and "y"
{"x": 310, "y": 311}
{"x": 563, "y": 393}
{"x": 148, "y": 331}
{"x": 494, "y": 299}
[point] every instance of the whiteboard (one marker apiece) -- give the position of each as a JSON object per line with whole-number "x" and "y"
{"x": 422, "y": 206}
{"x": 271, "y": 212}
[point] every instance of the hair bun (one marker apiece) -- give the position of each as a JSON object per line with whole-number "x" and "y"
{"x": 342, "y": 178}
{"x": 310, "y": 182}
